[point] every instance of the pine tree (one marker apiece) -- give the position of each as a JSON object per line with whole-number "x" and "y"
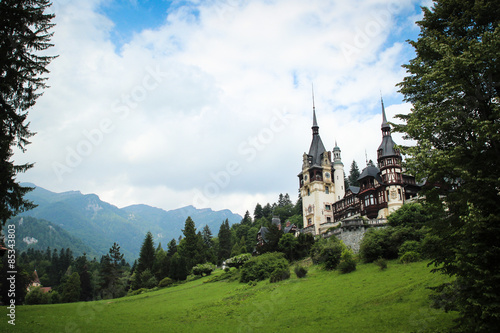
{"x": 24, "y": 31}
{"x": 147, "y": 254}
{"x": 354, "y": 174}
{"x": 191, "y": 246}
{"x": 172, "y": 247}
{"x": 225, "y": 244}
{"x": 453, "y": 85}
{"x": 258, "y": 213}
{"x": 71, "y": 289}
{"x": 247, "y": 220}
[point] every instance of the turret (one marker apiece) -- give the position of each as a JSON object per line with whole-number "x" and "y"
{"x": 338, "y": 173}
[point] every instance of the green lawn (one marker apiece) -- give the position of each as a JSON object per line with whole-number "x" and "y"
{"x": 367, "y": 300}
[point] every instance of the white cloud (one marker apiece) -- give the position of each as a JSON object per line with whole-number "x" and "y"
{"x": 158, "y": 119}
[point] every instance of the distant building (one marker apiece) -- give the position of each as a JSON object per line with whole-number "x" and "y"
{"x": 35, "y": 282}
{"x": 288, "y": 229}
{"x": 326, "y": 201}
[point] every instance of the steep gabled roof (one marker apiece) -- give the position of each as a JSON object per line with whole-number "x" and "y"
{"x": 386, "y": 148}
{"x": 371, "y": 171}
{"x": 317, "y": 147}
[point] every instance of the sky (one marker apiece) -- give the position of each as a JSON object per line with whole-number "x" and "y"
{"x": 209, "y": 103}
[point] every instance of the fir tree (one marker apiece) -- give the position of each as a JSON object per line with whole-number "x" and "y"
{"x": 354, "y": 174}
{"x": 258, "y": 213}
{"x": 147, "y": 254}
{"x": 225, "y": 244}
{"x": 453, "y": 85}
{"x": 24, "y": 30}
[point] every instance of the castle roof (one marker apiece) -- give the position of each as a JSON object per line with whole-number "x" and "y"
{"x": 386, "y": 148}
{"x": 371, "y": 171}
{"x": 317, "y": 147}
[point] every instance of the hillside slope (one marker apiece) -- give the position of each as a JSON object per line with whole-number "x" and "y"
{"x": 39, "y": 234}
{"x": 367, "y": 300}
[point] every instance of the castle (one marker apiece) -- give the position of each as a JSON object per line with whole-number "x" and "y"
{"x": 326, "y": 201}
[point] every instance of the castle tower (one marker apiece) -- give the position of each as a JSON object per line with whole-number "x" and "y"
{"x": 389, "y": 160}
{"x": 316, "y": 184}
{"x": 338, "y": 173}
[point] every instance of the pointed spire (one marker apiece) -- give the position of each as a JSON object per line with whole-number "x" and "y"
{"x": 384, "y": 118}
{"x": 315, "y": 126}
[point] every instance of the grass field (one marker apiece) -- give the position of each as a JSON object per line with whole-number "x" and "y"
{"x": 367, "y": 300}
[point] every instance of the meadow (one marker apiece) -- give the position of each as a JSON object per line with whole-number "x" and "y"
{"x": 366, "y": 300}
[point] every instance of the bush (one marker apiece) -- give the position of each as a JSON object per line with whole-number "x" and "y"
{"x": 136, "y": 292}
{"x": 409, "y": 246}
{"x": 148, "y": 280}
{"x": 300, "y": 271}
{"x": 37, "y": 296}
{"x": 165, "y": 282}
{"x": 279, "y": 274}
{"x": 55, "y": 297}
{"x": 260, "y": 268}
{"x": 289, "y": 245}
{"x": 347, "y": 262}
{"x": 327, "y": 252}
{"x": 201, "y": 269}
{"x": 238, "y": 261}
{"x": 408, "y": 257}
{"x": 381, "y": 262}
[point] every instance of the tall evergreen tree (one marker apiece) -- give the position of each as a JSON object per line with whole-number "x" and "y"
{"x": 24, "y": 31}
{"x": 258, "y": 213}
{"x": 247, "y": 220}
{"x": 209, "y": 245}
{"x": 453, "y": 85}
{"x": 354, "y": 174}
{"x": 225, "y": 244}
{"x": 172, "y": 247}
{"x": 147, "y": 254}
{"x": 71, "y": 289}
{"x": 191, "y": 246}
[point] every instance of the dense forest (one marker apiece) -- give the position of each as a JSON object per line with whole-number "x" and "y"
{"x": 82, "y": 279}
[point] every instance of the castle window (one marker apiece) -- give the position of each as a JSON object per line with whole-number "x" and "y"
{"x": 309, "y": 221}
{"x": 399, "y": 192}
{"x": 327, "y": 190}
{"x": 308, "y": 192}
{"x": 328, "y": 219}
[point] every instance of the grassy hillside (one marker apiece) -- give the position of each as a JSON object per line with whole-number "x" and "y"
{"x": 367, "y": 300}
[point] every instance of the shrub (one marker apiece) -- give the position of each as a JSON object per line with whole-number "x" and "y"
{"x": 327, "y": 252}
{"x": 37, "y": 296}
{"x": 260, "y": 268}
{"x": 238, "y": 261}
{"x": 229, "y": 275}
{"x": 227, "y": 269}
{"x": 409, "y": 246}
{"x": 289, "y": 245}
{"x": 148, "y": 280}
{"x": 373, "y": 245}
{"x": 201, "y": 269}
{"x": 408, "y": 257}
{"x": 55, "y": 297}
{"x": 347, "y": 262}
{"x": 381, "y": 263}
{"x": 279, "y": 274}
{"x": 300, "y": 271}
{"x": 136, "y": 292}
{"x": 165, "y": 282}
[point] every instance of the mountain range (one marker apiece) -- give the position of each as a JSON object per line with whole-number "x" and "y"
{"x": 92, "y": 225}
